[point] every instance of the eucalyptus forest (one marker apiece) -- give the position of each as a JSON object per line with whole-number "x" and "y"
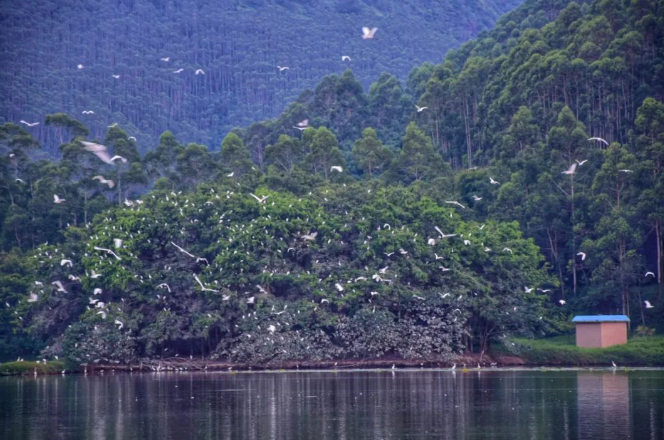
{"x": 518, "y": 182}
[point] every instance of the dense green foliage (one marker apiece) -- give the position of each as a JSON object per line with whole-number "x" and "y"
{"x": 507, "y": 114}
{"x": 237, "y": 43}
{"x": 28, "y": 367}
{"x": 562, "y": 350}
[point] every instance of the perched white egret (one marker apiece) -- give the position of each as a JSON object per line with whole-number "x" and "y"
{"x": 59, "y": 285}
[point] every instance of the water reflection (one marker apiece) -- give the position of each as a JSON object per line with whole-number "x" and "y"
{"x": 337, "y": 405}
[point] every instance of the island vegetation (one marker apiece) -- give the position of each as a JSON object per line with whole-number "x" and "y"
{"x": 357, "y": 226}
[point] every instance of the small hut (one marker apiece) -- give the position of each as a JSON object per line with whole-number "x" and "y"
{"x": 600, "y": 330}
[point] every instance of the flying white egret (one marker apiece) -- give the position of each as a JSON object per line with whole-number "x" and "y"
{"x": 345, "y": 58}
{"x": 282, "y": 68}
{"x": 165, "y": 59}
{"x": 648, "y": 305}
{"x": 420, "y": 109}
{"x": 261, "y": 199}
{"x": 33, "y": 298}
{"x": 562, "y": 302}
{"x": 67, "y": 262}
{"x": 581, "y": 162}
{"x": 97, "y": 291}
{"x": 339, "y": 287}
{"x": 101, "y": 151}
{"x": 102, "y": 313}
{"x": 309, "y": 237}
{"x": 80, "y": 66}
{"x": 205, "y": 289}
{"x": 116, "y": 76}
{"x": 108, "y": 251}
{"x": 180, "y": 70}
{"x": 199, "y": 72}
{"x": 650, "y": 274}
{"x": 570, "y": 170}
{"x": 367, "y": 33}
{"x": 104, "y": 181}
{"x": 164, "y": 285}
{"x": 477, "y": 199}
{"x": 493, "y": 182}
{"x": 29, "y": 124}
{"x": 336, "y": 168}
{"x": 582, "y": 255}
{"x": 88, "y": 112}
{"x": 598, "y": 139}
{"x": 57, "y": 199}
{"x": 454, "y": 202}
{"x": 119, "y": 324}
{"x": 528, "y": 289}
{"x": 59, "y": 285}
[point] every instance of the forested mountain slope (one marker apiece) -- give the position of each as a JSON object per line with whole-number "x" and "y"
{"x": 238, "y": 44}
{"x": 491, "y": 212}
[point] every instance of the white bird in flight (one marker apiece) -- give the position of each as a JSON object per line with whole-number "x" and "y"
{"x": 33, "y": 298}
{"x": 261, "y": 199}
{"x": 166, "y": 59}
{"x": 309, "y": 237}
{"x": 598, "y": 139}
{"x": 60, "y": 287}
{"x": 570, "y": 170}
{"x": 116, "y": 76}
{"x": 67, "y": 262}
{"x": 29, "y": 124}
{"x": 302, "y": 125}
{"x": 164, "y": 285}
{"x": 336, "y": 168}
{"x": 454, "y": 202}
{"x": 205, "y": 289}
{"x": 528, "y": 289}
{"x": 57, "y": 199}
{"x": 104, "y": 181}
{"x": 102, "y": 313}
{"x": 650, "y": 274}
{"x": 119, "y": 324}
{"x": 199, "y": 72}
{"x": 88, "y": 112}
{"x": 582, "y": 255}
{"x": 180, "y": 70}
{"x": 581, "y": 162}
{"x": 562, "y": 302}
{"x": 367, "y": 33}
{"x": 477, "y": 199}
{"x": 282, "y": 68}
{"x": 80, "y": 66}
{"x": 420, "y": 109}
{"x": 108, "y": 251}
{"x": 493, "y": 182}
{"x": 345, "y": 58}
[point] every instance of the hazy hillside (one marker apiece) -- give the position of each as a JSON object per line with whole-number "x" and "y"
{"x": 238, "y": 44}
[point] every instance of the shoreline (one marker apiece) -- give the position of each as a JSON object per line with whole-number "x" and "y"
{"x": 466, "y": 363}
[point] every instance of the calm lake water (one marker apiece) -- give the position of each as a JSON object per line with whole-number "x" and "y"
{"x": 406, "y": 404}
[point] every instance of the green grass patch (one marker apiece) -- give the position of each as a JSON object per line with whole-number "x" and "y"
{"x": 29, "y": 367}
{"x": 562, "y": 350}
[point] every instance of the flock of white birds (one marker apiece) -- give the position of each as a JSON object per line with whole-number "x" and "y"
{"x": 106, "y": 255}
